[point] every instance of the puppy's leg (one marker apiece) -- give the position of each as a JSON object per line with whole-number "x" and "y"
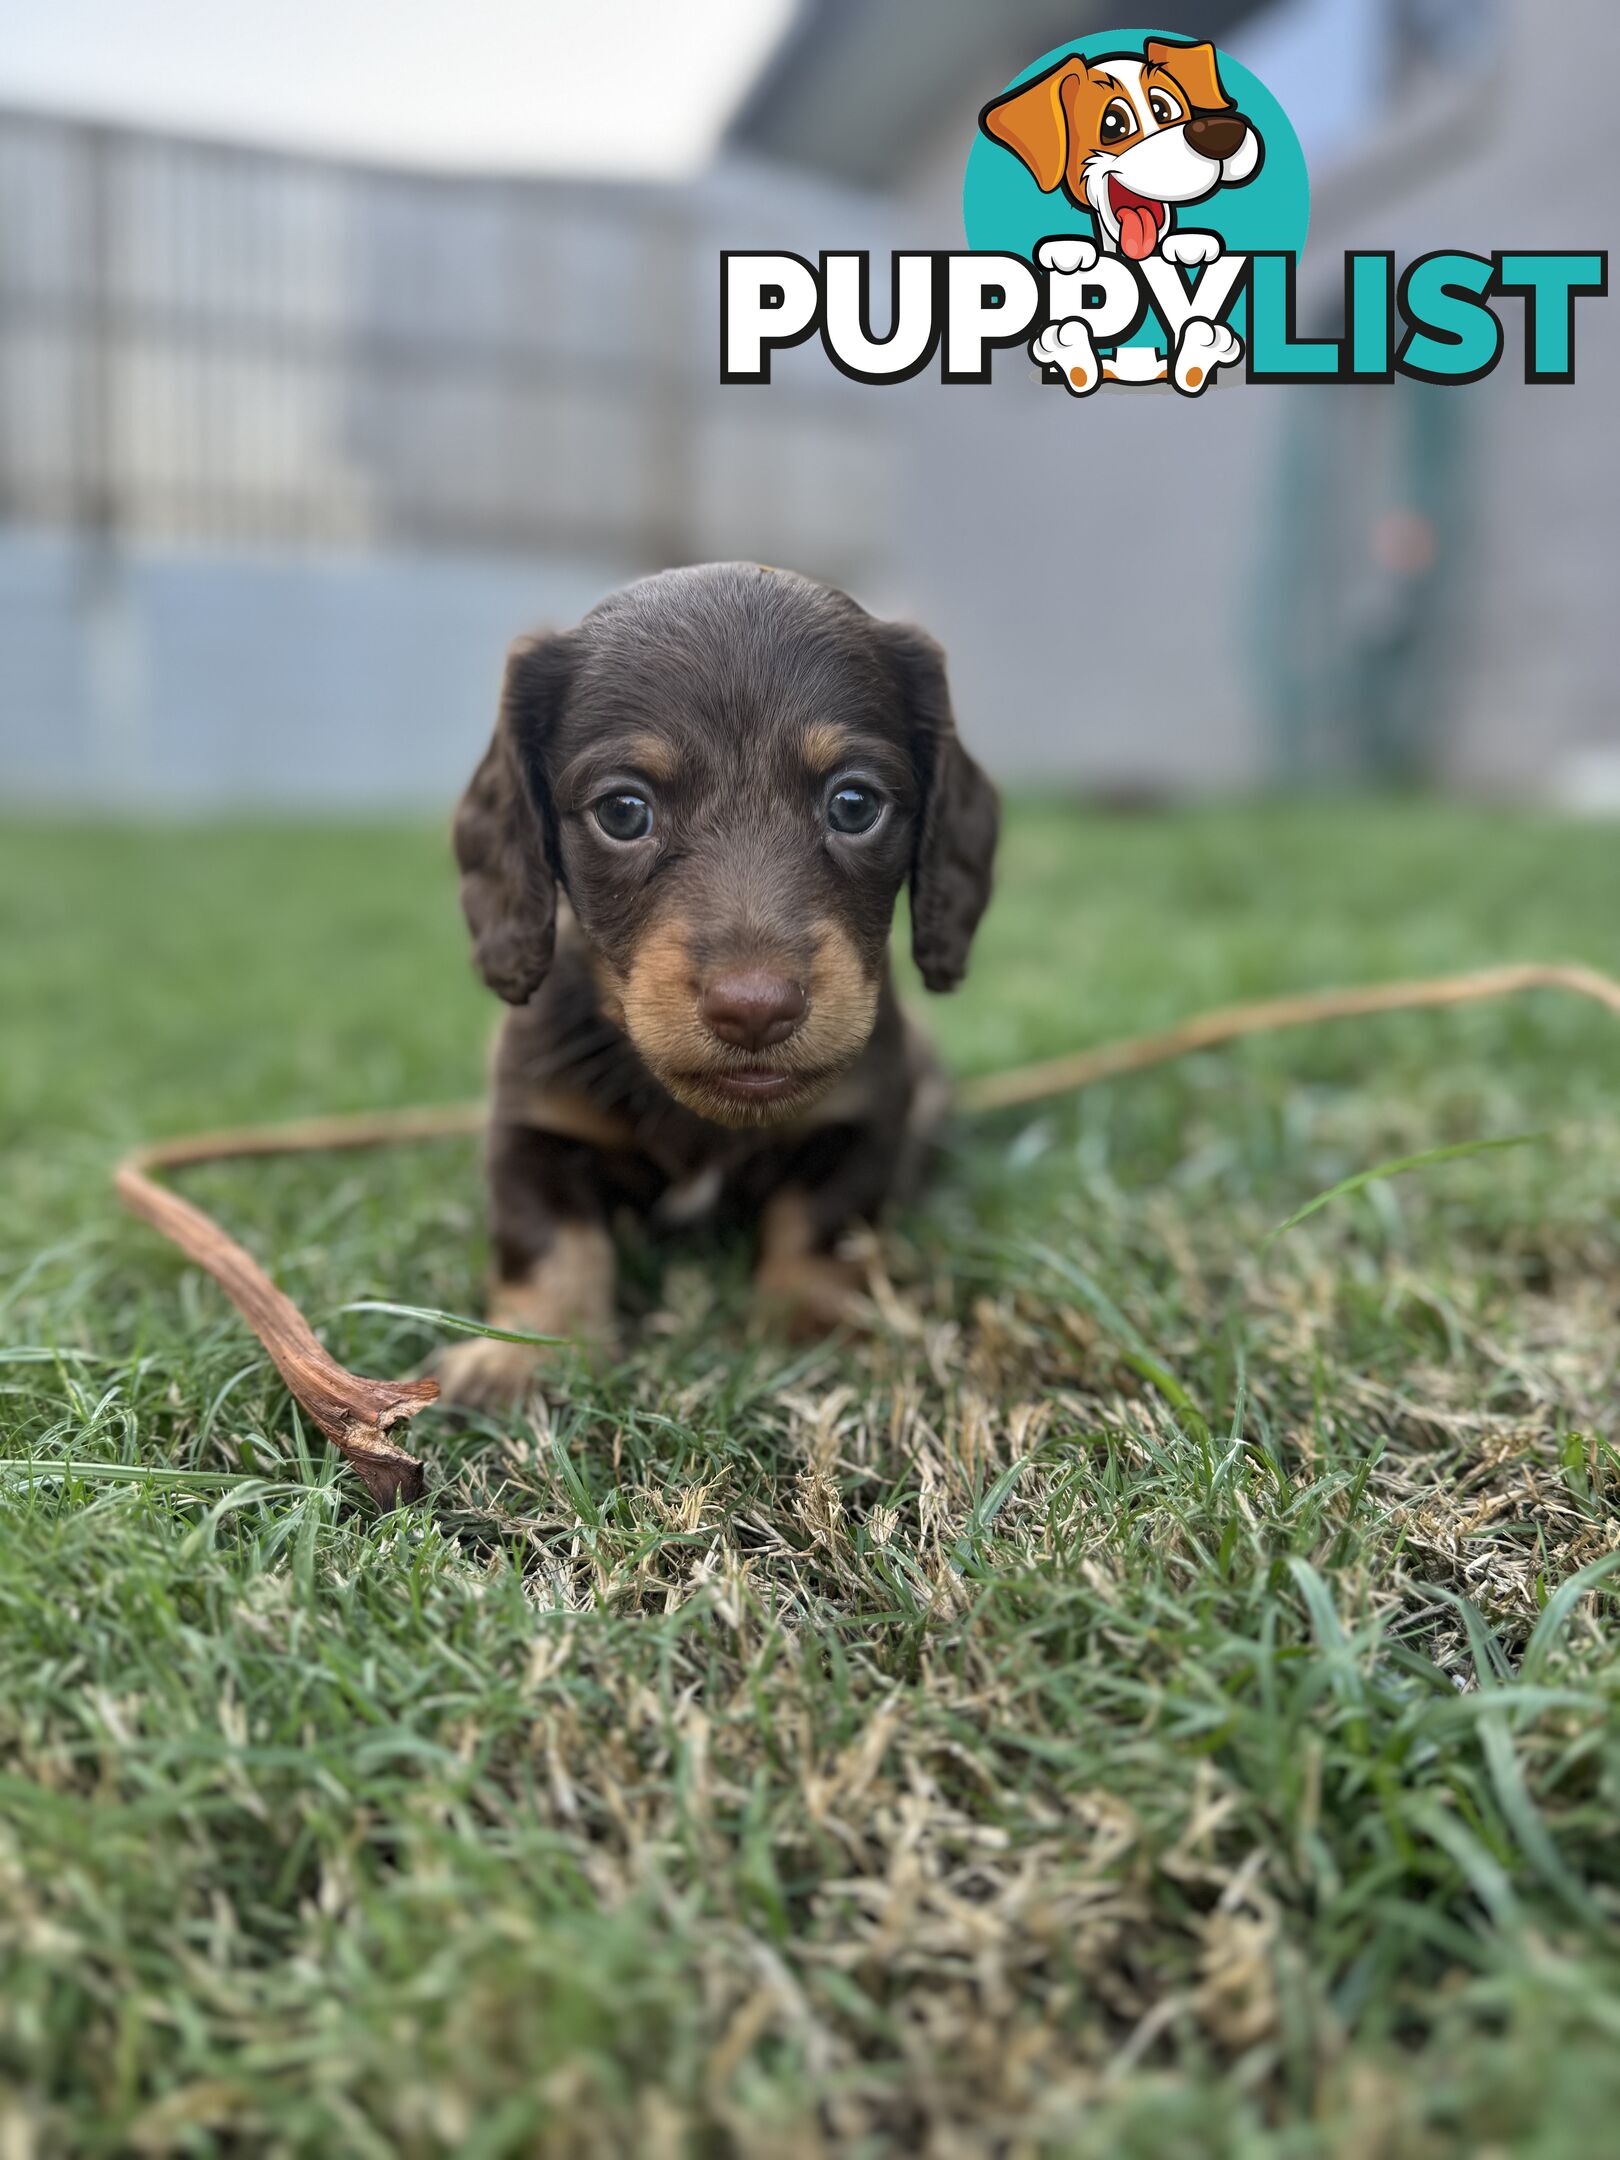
{"x": 833, "y": 1184}
{"x": 554, "y": 1266}
{"x": 803, "y": 1286}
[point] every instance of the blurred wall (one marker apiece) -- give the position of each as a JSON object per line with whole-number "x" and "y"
{"x": 290, "y": 449}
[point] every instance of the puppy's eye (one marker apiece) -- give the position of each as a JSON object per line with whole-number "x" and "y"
{"x": 1117, "y": 122}
{"x": 624, "y": 816}
{"x": 854, "y": 809}
{"x": 1163, "y": 108}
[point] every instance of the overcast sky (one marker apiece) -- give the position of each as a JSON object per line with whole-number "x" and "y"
{"x": 630, "y": 87}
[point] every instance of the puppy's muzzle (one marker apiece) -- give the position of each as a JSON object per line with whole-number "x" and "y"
{"x": 1217, "y": 135}
{"x": 753, "y": 1010}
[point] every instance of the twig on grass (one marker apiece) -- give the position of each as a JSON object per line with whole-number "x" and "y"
{"x": 1132, "y": 1053}
{"x": 356, "y": 1414}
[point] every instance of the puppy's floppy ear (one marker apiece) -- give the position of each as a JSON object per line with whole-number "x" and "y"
{"x": 1033, "y": 122}
{"x": 1193, "y": 66}
{"x": 503, "y": 839}
{"x": 958, "y": 817}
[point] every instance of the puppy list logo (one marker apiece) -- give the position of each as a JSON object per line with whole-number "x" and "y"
{"x": 1135, "y": 206}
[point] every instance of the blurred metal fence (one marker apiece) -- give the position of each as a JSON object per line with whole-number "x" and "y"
{"x": 202, "y": 342}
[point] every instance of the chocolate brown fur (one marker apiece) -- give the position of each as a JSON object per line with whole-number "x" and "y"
{"x": 735, "y": 702}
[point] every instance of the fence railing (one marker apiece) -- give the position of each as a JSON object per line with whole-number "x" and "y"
{"x": 207, "y": 343}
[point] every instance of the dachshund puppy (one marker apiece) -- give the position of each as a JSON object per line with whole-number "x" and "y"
{"x": 680, "y": 858}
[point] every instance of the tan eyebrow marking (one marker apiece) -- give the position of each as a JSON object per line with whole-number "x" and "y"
{"x": 1103, "y": 79}
{"x": 658, "y": 759}
{"x": 823, "y": 746}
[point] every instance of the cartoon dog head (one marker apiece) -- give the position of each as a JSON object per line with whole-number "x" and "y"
{"x": 1129, "y": 138}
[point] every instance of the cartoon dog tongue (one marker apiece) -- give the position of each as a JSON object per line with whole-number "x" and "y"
{"x": 1138, "y": 230}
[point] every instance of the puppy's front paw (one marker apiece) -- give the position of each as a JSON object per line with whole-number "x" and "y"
{"x": 1190, "y": 248}
{"x": 486, "y": 1374}
{"x": 1202, "y": 348}
{"x": 1066, "y": 255}
{"x": 1067, "y": 347}
{"x": 811, "y": 1294}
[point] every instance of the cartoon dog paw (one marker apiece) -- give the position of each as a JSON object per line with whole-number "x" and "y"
{"x": 1190, "y": 248}
{"x": 1066, "y": 255}
{"x": 1067, "y": 346}
{"x": 1068, "y": 262}
{"x": 1203, "y": 347}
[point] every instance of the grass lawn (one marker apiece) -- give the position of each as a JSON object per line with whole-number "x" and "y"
{"x": 1145, "y": 1702}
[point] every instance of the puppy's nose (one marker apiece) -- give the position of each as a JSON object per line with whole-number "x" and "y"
{"x": 1217, "y": 135}
{"x": 753, "y": 1010}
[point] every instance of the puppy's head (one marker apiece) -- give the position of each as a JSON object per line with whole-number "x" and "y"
{"x": 730, "y": 772}
{"x": 1128, "y": 139}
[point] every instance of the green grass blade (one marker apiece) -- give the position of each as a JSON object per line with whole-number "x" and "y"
{"x": 456, "y": 1323}
{"x": 1127, "y": 1339}
{"x": 1395, "y": 1167}
{"x": 1554, "y": 1616}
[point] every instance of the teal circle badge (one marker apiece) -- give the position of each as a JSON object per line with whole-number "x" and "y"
{"x": 1122, "y": 137}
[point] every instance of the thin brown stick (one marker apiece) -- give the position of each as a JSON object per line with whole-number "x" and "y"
{"x": 357, "y": 1414}
{"x": 317, "y": 1136}
{"x": 1061, "y": 1076}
